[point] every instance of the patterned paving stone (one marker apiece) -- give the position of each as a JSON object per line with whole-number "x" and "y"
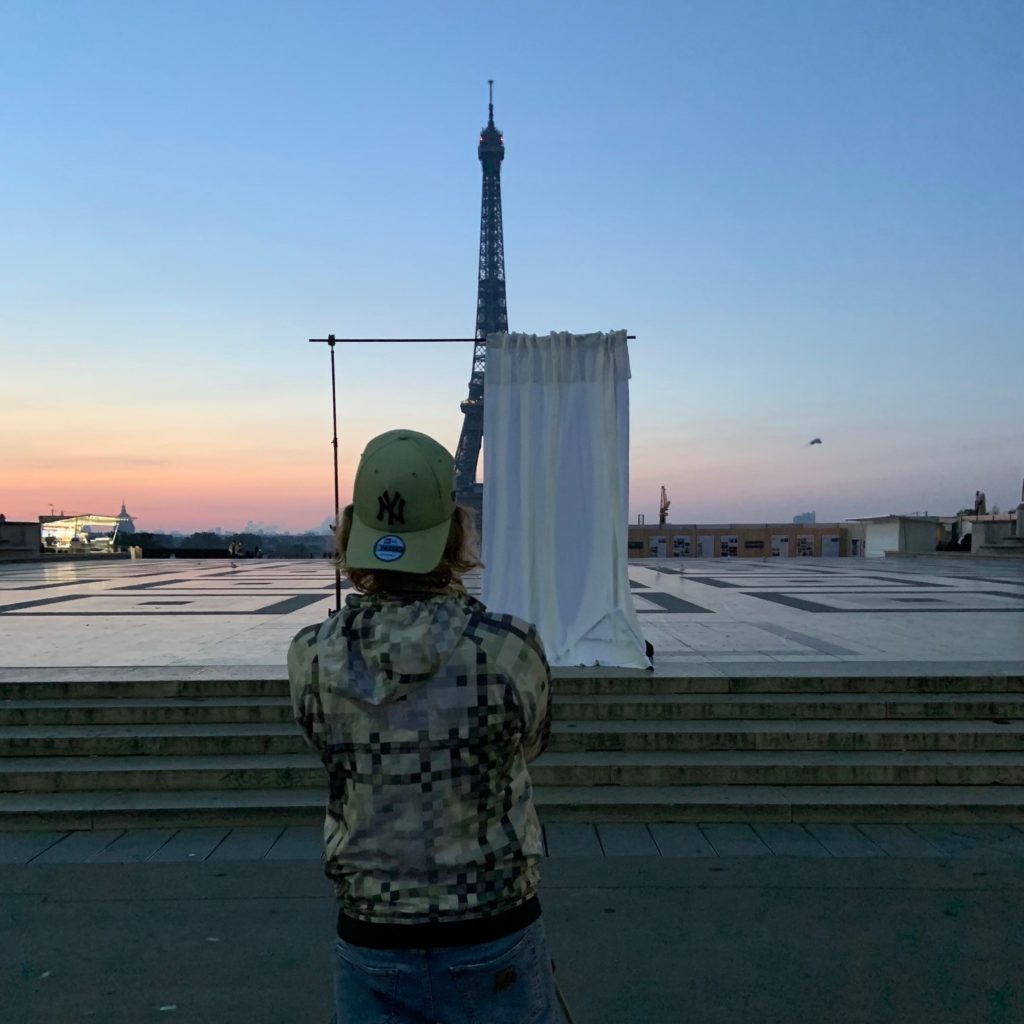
{"x": 735, "y": 841}
{"x": 789, "y": 840}
{"x": 190, "y": 844}
{"x": 247, "y": 843}
{"x": 844, "y": 840}
{"x": 298, "y": 843}
{"x": 133, "y": 847}
{"x": 22, "y": 847}
{"x": 681, "y": 840}
{"x": 567, "y": 839}
{"x": 974, "y": 840}
{"x": 629, "y": 840}
{"x": 79, "y": 847}
{"x": 900, "y": 841}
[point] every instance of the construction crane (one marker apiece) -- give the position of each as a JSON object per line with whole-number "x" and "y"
{"x": 663, "y": 508}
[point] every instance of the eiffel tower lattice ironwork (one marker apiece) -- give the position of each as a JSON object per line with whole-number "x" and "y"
{"x": 491, "y": 311}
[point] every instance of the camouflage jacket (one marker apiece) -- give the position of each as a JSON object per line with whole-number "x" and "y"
{"x": 425, "y": 711}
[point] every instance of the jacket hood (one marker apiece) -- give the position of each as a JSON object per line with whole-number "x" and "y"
{"x": 377, "y": 648}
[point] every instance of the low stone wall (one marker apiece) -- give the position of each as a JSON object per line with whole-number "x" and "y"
{"x": 983, "y": 534}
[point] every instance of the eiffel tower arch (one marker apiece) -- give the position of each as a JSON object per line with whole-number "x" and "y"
{"x": 491, "y": 311}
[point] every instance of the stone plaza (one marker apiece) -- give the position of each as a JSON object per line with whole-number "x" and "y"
{"x": 707, "y": 616}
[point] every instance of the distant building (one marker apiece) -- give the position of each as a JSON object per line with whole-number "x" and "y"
{"x": 983, "y": 532}
{"x": 992, "y": 528}
{"x": 125, "y": 521}
{"x": 87, "y": 532}
{"x": 900, "y": 535}
{"x": 745, "y": 540}
{"x": 804, "y": 517}
{"x": 19, "y": 540}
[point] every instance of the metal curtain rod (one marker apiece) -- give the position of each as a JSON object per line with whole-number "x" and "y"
{"x": 332, "y": 340}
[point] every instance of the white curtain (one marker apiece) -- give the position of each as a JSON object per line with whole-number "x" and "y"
{"x": 556, "y": 493}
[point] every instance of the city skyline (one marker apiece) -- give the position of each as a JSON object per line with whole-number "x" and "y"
{"x": 808, "y": 215}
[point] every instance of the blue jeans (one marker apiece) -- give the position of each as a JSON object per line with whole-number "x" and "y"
{"x": 508, "y": 981}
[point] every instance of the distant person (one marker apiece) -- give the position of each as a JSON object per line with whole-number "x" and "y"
{"x": 425, "y": 708}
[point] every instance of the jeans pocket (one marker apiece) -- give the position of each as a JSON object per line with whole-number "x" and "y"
{"x": 365, "y": 992}
{"x": 504, "y": 981}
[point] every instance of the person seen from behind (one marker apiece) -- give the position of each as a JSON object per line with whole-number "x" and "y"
{"x": 425, "y": 708}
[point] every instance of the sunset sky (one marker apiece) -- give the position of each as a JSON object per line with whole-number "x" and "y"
{"x": 810, "y": 214}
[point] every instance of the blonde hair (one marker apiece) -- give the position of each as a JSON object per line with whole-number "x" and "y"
{"x": 461, "y": 554}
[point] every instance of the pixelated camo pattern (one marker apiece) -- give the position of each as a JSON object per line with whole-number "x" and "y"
{"x": 425, "y": 713}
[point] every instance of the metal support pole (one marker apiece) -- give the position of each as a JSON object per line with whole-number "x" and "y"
{"x": 337, "y": 503}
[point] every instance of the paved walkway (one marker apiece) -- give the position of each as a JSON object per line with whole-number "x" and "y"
{"x": 673, "y": 841}
{"x": 636, "y": 940}
{"x": 704, "y": 616}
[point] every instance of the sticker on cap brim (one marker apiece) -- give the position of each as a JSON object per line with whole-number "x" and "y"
{"x": 389, "y": 549}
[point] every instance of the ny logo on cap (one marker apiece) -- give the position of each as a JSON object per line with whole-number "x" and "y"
{"x": 393, "y": 506}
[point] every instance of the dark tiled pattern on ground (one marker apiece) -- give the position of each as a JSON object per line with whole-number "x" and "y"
{"x": 740, "y": 611}
{"x": 671, "y": 603}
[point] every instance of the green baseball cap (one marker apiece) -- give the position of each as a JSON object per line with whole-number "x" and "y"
{"x": 403, "y": 502}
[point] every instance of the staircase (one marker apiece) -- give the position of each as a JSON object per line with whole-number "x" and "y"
{"x": 631, "y": 748}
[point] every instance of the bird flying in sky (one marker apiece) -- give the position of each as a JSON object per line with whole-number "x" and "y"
{"x": 817, "y": 440}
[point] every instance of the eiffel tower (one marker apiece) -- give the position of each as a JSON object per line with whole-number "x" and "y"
{"x": 491, "y": 312}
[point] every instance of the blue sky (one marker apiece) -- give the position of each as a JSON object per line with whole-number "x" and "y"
{"x": 810, "y": 214}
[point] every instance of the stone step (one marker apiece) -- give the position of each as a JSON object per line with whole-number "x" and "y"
{"x": 609, "y": 768}
{"x": 787, "y": 735}
{"x": 182, "y": 808}
{"x": 851, "y": 804}
{"x": 679, "y": 735}
{"x": 838, "y": 706}
{"x": 84, "y": 774}
{"x": 564, "y": 682}
{"x": 567, "y": 682}
{"x": 178, "y": 739}
{"x": 701, "y": 804}
{"x": 610, "y": 707}
{"x": 779, "y": 767}
{"x": 139, "y": 688}
{"x": 145, "y": 711}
